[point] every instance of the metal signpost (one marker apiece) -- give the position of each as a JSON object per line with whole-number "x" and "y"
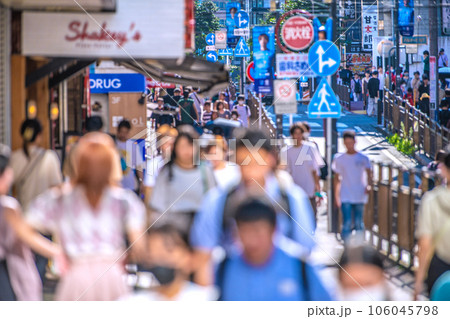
{"x": 324, "y": 59}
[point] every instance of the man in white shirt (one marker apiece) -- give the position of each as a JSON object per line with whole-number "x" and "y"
{"x": 302, "y": 164}
{"x": 243, "y": 110}
{"x": 381, "y": 77}
{"x": 198, "y": 101}
{"x": 130, "y": 157}
{"x": 353, "y": 179}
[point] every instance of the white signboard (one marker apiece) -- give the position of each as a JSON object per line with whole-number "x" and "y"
{"x": 293, "y": 65}
{"x": 241, "y": 32}
{"x": 285, "y": 96}
{"x": 138, "y": 29}
{"x": 221, "y": 39}
{"x": 369, "y": 18}
{"x": 210, "y": 48}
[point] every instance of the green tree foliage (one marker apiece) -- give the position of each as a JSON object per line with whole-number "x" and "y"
{"x": 205, "y": 22}
{"x": 271, "y": 17}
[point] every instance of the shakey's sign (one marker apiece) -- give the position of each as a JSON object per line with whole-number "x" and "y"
{"x": 80, "y": 31}
{"x": 139, "y": 29}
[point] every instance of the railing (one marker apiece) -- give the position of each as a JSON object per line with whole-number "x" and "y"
{"x": 267, "y": 124}
{"x": 391, "y": 213}
{"x": 400, "y": 117}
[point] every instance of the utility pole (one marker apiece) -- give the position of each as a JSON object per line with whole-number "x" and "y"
{"x": 397, "y": 46}
{"x": 279, "y": 117}
{"x": 331, "y": 139}
{"x": 432, "y": 14}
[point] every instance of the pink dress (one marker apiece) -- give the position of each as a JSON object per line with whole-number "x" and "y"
{"x": 22, "y": 271}
{"x": 94, "y": 241}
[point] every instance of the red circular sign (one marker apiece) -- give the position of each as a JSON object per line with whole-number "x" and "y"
{"x": 220, "y": 36}
{"x": 250, "y": 70}
{"x": 297, "y": 33}
{"x": 285, "y": 91}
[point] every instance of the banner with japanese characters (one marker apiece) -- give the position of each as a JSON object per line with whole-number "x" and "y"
{"x": 293, "y": 65}
{"x": 369, "y": 26}
{"x": 359, "y": 62}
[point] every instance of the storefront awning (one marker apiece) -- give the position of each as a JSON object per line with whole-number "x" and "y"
{"x": 188, "y": 71}
{"x": 62, "y": 5}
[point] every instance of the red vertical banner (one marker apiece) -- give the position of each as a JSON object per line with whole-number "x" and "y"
{"x": 433, "y": 80}
{"x": 189, "y": 23}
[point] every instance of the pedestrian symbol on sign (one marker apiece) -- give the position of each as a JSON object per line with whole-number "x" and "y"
{"x": 242, "y": 49}
{"x": 324, "y": 103}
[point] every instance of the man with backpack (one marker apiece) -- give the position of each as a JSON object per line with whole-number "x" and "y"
{"x": 242, "y": 109}
{"x": 356, "y": 87}
{"x": 264, "y": 272}
{"x": 214, "y": 223}
{"x": 188, "y": 112}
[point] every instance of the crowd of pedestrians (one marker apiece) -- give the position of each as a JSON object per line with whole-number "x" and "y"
{"x": 206, "y": 217}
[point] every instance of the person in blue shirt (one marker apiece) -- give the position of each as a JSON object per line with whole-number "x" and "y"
{"x": 263, "y": 58}
{"x": 262, "y": 271}
{"x": 231, "y": 24}
{"x": 214, "y": 225}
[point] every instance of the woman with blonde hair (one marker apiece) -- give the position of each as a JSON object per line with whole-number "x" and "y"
{"x": 91, "y": 218}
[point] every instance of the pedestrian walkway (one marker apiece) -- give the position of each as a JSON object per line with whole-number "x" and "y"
{"x": 329, "y": 250}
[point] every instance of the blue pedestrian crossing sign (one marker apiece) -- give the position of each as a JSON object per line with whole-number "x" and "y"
{"x": 241, "y": 19}
{"x": 324, "y": 103}
{"x": 225, "y": 52}
{"x": 211, "y": 56}
{"x": 242, "y": 50}
{"x": 211, "y": 39}
{"x": 324, "y": 58}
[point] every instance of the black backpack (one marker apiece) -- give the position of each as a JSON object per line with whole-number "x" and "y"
{"x": 358, "y": 86}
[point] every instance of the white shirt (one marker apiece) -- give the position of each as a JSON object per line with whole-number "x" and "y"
{"x": 184, "y": 192}
{"x": 228, "y": 176}
{"x": 132, "y": 155}
{"x": 301, "y": 164}
{"x": 198, "y": 101}
{"x": 381, "y": 78}
{"x": 154, "y": 166}
{"x": 352, "y": 170}
{"x": 82, "y": 231}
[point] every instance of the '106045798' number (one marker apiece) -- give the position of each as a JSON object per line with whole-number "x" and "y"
{"x": 404, "y": 310}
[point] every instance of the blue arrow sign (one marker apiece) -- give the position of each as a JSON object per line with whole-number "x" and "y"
{"x": 211, "y": 39}
{"x": 324, "y": 103}
{"x": 212, "y": 56}
{"x": 241, "y": 19}
{"x": 225, "y": 52}
{"x": 324, "y": 58}
{"x": 241, "y": 50}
